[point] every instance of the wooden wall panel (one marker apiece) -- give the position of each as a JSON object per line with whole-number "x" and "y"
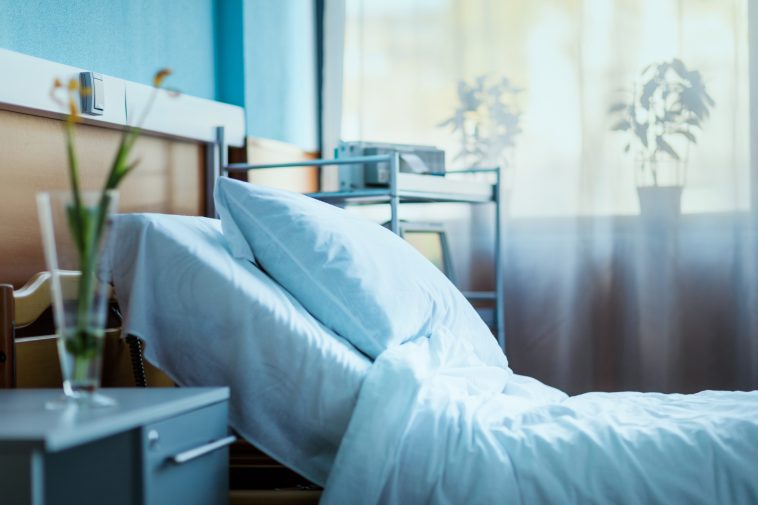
{"x": 32, "y": 158}
{"x": 37, "y": 365}
{"x": 301, "y": 179}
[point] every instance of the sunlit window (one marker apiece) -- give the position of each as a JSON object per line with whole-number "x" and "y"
{"x": 573, "y": 60}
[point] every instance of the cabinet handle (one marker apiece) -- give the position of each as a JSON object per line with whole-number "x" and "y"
{"x": 191, "y": 454}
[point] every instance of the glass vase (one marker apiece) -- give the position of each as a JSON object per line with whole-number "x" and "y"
{"x": 73, "y": 235}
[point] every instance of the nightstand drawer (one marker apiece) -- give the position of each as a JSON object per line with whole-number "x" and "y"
{"x": 186, "y": 458}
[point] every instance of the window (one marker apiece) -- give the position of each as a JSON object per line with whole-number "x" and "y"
{"x": 574, "y": 59}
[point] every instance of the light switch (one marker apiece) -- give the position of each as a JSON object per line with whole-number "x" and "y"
{"x": 93, "y": 103}
{"x": 98, "y": 93}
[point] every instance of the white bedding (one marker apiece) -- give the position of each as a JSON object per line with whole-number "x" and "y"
{"x": 431, "y": 427}
{"x": 211, "y": 320}
{"x": 432, "y": 423}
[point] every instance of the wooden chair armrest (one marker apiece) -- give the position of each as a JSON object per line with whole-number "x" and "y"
{"x": 7, "y": 338}
{"x": 20, "y": 313}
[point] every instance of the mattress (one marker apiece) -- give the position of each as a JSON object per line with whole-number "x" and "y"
{"x": 208, "y": 319}
{"x": 446, "y": 434}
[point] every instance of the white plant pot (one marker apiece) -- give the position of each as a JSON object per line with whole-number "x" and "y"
{"x": 660, "y": 202}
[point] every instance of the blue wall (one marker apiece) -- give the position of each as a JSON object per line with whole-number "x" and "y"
{"x": 258, "y": 54}
{"x": 280, "y": 44}
{"x": 230, "y": 52}
{"x": 130, "y": 39}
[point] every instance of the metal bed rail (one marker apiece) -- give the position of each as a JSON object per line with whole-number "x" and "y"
{"x": 216, "y": 166}
{"x": 391, "y": 193}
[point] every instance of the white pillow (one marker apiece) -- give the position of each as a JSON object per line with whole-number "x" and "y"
{"x": 358, "y": 278}
{"x": 212, "y": 320}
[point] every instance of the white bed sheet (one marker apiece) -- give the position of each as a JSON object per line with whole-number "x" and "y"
{"x": 211, "y": 320}
{"x": 430, "y": 428}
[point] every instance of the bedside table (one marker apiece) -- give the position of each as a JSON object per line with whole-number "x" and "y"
{"x": 156, "y": 446}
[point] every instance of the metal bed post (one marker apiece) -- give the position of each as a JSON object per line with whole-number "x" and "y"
{"x": 394, "y": 197}
{"x": 215, "y": 165}
{"x": 223, "y": 151}
{"x": 499, "y": 280}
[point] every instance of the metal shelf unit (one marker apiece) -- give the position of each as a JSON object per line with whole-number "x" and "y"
{"x": 396, "y": 193}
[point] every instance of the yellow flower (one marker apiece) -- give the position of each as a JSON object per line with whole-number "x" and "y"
{"x": 160, "y": 76}
{"x": 73, "y": 111}
{"x": 54, "y": 93}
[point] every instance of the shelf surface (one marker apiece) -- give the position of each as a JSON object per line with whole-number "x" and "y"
{"x": 368, "y": 197}
{"x": 416, "y": 188}
{"x": 480, "y": 295}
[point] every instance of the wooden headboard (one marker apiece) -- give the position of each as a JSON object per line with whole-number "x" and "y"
{"x": 177, "y": 152}
{"x": 168, "y": 179}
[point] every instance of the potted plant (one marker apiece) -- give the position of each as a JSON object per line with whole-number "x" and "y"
{"x": 487, "y": 121}
{"x": 74, "y": 226}
{"x": 666, "y": 109}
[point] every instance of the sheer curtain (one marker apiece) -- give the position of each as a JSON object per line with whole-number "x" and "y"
{"x": 599, "y": 295}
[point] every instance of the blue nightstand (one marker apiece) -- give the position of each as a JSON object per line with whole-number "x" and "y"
{"x": 157, "y": 446}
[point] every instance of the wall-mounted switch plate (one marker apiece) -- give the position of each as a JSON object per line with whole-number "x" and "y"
{"x": 93, "y": 101}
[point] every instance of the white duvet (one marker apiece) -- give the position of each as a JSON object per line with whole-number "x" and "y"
{"x": 210, "y": 320}
{"x": 432, "y": 426}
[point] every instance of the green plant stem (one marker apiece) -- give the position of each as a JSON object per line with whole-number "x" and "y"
{"x": 74, "y": 177}
{"x": 79, "y": 226}
{"x": 86, "y": 297}
{"x": 73, "y": 163}
{"x": 87, "y": 281}
{"x": 89, "y": 230}
{"x": 92, "y": 237}
{"x": 81, "y": 367}
{"x": 87, "y": 226}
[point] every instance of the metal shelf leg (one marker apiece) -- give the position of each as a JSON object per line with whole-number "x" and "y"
{"x": 499, "y": 280}
{"x": 394, "y": 198}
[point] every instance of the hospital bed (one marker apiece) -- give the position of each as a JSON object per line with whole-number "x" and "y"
{"x": 425, "y": 421}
